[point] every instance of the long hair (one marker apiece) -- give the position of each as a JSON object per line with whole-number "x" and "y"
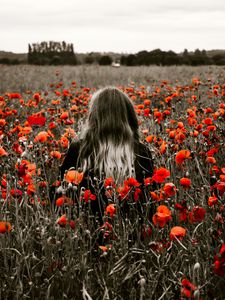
{"x": 110, "y": 135}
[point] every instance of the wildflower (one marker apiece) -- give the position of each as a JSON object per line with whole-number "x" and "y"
{"x": 72, "y": 224}
{"x": 207, "y": 121}
{"x": 219, "y": 262}
{"x": 88, "y": 196}
{"x": 182, "y": 208}
{"x": 220, "y": 186}
{"x": 177, "y": 232}
{"x": 41, "y": 137}
{"x": 3, "y": 152}
{"x": 188, "y": 288}
{"x": 197, "y": 214}
{"x": 147, "y": 181}
{"x": 160, "y": 175}
{"x": 2, "y": 122}
{"x": 55, "y": 154}
{"x": 64, "y": 115}
{"x": 149, "y": 138}
{"x": 74, "y": 176}
{"x": 169, "y": 189}
{"x": 5, "y": 227}
{"x": 62, "y": 221}
{"x": 36, "y": 120}
{"x": 59, "y": 201}
{"x": 64, "y": 142}
{"x": 103, "y": 248}
{"x": 137, "y": 193}
{"x": 213, "y": 200}
{"x": 110, "y": 210}
{"x": 109, "y": 182}
{"x": 210, "y": 160}
{"x": 185, "y": 182}
{"x": 181, "y": 156}
{"x": 131, "y": 182}
{"x": 162, "y": 216}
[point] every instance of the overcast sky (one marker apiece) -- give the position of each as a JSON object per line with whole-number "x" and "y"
{"x": 114, "y": 25}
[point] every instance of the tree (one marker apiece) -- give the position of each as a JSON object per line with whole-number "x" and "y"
{"x": 105, "y": 60}
{"x": 56, "y": 53}
{"x": 131, "y": 60}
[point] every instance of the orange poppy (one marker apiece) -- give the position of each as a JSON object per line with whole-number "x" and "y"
{"x": 162, "y": 216}
{"x": 74, "y": 176}
{"x": 2, "y": 122}
{"x": 103, "y": 248}
{"x": 212, "y": 200}
{"x": 185, "y": 182}
{"x": 181, "y": 156}
{"x": 64, "y": 142}
{"x": 110, "y": 210}
{"x": 5, "y": 227}
{"x": 55, "y": 154}
{"x": 64, "y": 115}
{"x": 3, "y": 152}
{"x": 211, "y": 160}
{"x": 177, "y": 232}
{"x": 41, "y": 137}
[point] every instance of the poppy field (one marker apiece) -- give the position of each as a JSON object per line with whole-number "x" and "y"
{"x": 49, "y": 251}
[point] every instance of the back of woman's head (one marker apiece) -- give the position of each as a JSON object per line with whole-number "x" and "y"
{"x": 110, "y": 134}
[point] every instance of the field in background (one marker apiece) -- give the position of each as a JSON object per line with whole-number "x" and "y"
{"x": 48, "y": 252}
{"x": 24, "y": 77}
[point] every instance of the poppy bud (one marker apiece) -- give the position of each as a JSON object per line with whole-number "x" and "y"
{"x": 196, "y": 266}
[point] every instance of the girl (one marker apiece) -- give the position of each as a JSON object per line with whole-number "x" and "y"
{"x": 109, "y": 147}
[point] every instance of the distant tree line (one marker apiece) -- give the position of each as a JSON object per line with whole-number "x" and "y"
{"x": 167, "y": 58}
{"x": 51, "y": 53}
{"x": 61, "y": 53}
{"x": 10, "y": 61}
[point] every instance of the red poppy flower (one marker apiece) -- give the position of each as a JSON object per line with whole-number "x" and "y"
{"x": 160, "y": 175}
{"x": 185, "y": 182}
{"x": 5, "y": 227}
{"x": 197, "y": 214}
{"x": 41, "y": 137}
{"x": 220, "y": 186}
{"x": 137, "y": 193}
{"x": 147, "y": 181}
{"x": 88, "y": 196}
{"x": 181, "y": 156}
{"x": 110, "y": 210}
{"x": 131, "y": 182}
{"x": 213, "y": 200}
{"x": 59, "y": 201}
{"x": 62, "y": 221}
{"x": 109, "y": 182}
{"x": 177, "y": 232}
{"x": 36, "y": 120}
{"x": 74, "y": 176}
{"x": 162, "y": 216}
{"x": 169, "y": 189}
{"x": 188, "y": 288}
{"x": 64, "y": 115}
{"x": 55, "y": 154}
{"x": 219, "y": 262}
{"x": 3, "y": 152}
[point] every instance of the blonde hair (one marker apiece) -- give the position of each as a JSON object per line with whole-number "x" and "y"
{"x": 110, "y": 135}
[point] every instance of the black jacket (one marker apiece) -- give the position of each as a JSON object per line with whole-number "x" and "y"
{"x": 143, "y": 168}
{"x": 143, "y": 160}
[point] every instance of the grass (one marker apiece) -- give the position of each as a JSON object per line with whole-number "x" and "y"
{"x": 41, "y": 259}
